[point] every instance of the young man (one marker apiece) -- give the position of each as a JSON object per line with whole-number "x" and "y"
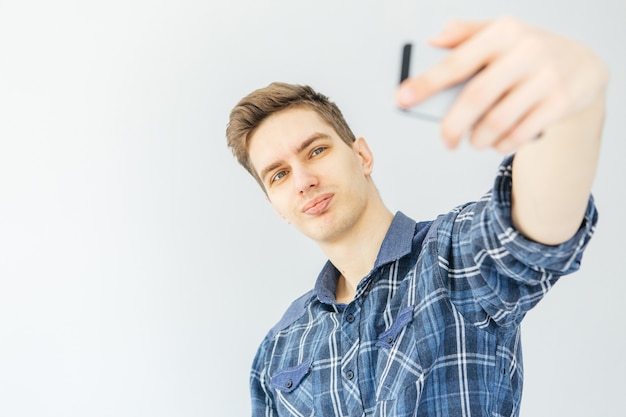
{"x": 423, "y": 318}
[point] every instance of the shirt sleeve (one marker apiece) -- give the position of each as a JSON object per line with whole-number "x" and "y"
{"x": 495, "y": 275}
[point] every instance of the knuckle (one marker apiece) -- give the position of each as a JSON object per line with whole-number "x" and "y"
{"x": 521, "y": 134}
{"x": 451, "y": 66}
{"x": 517, "y": 137}
{"x": 551, "y": 76}
{"x": 560, "y": 101}
{"x": 478, "y": 92}
{"x": 504, "y": 146}
{"x": 532, "y": 46}
{"x": 560, "y": 94}
{"x": 508, "y": 26}
{"x": 496, "y": 122}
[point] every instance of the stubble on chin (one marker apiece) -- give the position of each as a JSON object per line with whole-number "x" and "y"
{"x": 328, "y": 229}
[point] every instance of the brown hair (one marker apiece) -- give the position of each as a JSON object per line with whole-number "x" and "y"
{"x": 248, "y": 114}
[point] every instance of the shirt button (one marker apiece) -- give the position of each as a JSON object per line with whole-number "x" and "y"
{"x": 289, "y": 384}
{"x": 349, "y": 374}
{"x": 349, "y": 318}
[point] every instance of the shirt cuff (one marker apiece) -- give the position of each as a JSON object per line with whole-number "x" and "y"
{"x": 561, "y": 259}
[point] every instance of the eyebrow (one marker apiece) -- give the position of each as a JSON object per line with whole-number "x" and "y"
{"x": 301, "y": 147}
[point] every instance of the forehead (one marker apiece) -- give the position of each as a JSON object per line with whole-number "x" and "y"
{"x": 289, "y": 124}
{"x": 282, "y": 132}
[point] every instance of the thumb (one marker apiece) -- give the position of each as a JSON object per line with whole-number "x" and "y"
{"x": 456, "y": 32}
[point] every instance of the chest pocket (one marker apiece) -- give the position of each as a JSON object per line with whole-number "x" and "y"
{"x": 398, "y": 365}
{"x": 387, "y": 338}
{"x": 288, "y": 379}
{"x": 293, "y": 390}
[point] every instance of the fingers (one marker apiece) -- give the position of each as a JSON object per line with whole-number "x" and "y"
{"x": 519, "y": 116}
{"x": 482, "y": 99}
{"x": 528, "y": 128}
{"x": 524, "y": 80}
{"x": 456, "y": 32}
{"x": 452, "y": 69}
{"x": 479, "y": 46}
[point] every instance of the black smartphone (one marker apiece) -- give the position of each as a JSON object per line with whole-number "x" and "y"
{"x": 417, "y": 58}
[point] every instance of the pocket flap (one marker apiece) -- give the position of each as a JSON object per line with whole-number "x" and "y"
{"x": 288, "y": 379}
{"x": 388, "y": 337}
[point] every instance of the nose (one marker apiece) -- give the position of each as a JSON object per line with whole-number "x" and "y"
{"x": 304, "y": 179}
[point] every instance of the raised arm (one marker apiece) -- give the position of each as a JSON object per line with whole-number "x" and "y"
{"x": 535, "y": 93}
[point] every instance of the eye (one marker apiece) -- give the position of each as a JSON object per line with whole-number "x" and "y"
{"x": 278, "y": 176}
{"x": 318, "y": 151}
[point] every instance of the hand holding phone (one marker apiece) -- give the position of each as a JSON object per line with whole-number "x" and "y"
{"x": 417, "y": 58}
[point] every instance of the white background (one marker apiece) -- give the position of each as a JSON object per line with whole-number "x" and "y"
{"x": 140, "y": 266}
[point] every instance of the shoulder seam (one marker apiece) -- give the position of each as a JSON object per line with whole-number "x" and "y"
{"x": 293, "y": 313}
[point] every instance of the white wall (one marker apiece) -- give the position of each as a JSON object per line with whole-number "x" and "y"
{"x": 140, "y": 265}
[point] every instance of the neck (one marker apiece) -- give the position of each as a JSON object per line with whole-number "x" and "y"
{"x": 354, "y": 254}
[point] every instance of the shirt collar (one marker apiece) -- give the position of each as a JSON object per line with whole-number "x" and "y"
{"x": 396, "y": 244}
{"x": 398, "y": 240}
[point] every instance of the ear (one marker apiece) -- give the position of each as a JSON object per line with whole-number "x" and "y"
{"x": 282, "y": 216}
{"x": 362, "y": 149}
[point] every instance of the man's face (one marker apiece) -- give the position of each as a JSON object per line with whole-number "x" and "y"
{"x": 313, "y": 179}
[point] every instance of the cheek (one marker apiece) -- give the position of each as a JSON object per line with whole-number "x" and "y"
{"x": 280, "y": 206}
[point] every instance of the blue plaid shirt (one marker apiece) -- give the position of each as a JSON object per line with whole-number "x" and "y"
{"x": 434, "y": 329}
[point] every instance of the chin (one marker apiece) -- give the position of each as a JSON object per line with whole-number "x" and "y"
{"x": 324, "y": 230}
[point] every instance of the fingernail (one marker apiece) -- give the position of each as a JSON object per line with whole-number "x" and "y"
{"x": 406, "y": 96}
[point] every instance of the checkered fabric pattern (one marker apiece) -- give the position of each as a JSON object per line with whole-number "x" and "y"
{"x": 434, "y": 329}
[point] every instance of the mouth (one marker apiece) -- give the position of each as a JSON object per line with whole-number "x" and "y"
{"x": 318, "y": 205}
